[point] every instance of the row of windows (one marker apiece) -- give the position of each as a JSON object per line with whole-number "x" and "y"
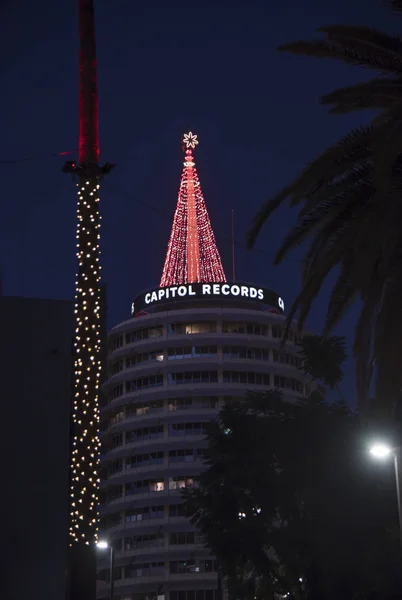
{"x": 157, "y": 458}
{"x": 187, "y": 352}
{"x": 153, "y": 540}
{"x": 196, "y": 377}
{"x": 150, "y": 486}
{"x": 158, "y": 568}
{"x": 142, "y": 513}
{"x": 246, "y": 377}
{"x": 288, "y": 384}
{"x": 192, "y": 377}
{"x": 156, "y": 406}
{"x": 174, "y": 429}
{"x": 158, "y": 485}
{"x": 142, "y": 383}
{"x": 203, "y": 327}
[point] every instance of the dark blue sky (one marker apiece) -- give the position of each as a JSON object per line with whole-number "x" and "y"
{"x": 164, "y": 67}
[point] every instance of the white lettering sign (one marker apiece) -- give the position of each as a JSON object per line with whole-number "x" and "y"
{"x": 207, "y": 289}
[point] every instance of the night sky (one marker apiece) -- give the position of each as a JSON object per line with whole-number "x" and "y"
{"x": 164, "y": 67}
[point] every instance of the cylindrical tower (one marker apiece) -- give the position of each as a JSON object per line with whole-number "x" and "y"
{"x": 169, "y": 372}
{"x": 190, "y": 346}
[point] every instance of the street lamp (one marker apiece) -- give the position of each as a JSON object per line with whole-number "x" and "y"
{"x": 104, "y": 545}
{"x": 383, "y": 451}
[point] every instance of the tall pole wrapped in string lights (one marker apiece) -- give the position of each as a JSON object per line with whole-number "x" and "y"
{"x": 84, "y": 463}
{"x": 192, "y": 254}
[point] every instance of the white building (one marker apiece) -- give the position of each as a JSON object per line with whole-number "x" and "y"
{"x": 169, "y": 372}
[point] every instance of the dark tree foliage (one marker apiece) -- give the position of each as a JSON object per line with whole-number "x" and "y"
{"x": 291, "y": 504}
{"x": 323, "y": 358}
{"x": 350, "y": 209}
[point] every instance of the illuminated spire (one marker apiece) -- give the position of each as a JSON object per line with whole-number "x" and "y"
{"x": 192, "y": 254}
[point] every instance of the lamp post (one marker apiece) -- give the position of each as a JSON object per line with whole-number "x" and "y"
{"x": 382, "y": 452}
{"x": 103, "y": 545}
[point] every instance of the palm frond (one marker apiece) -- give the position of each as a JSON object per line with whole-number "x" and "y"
{"x": 332, "y": 163}
{"x": 263, "y": 214}
{"x": 343, "y": 295}
{"x": 378, "y": 47}
{"x": 325, "y": 49}
{"x": 386, "y": 153}
{"x": 375, "y": 94}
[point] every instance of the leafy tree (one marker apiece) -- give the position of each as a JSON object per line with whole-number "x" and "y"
{"x": 322, "y": 359}
{"x": 290, "y": 504}
{"x": 350, "y": 209}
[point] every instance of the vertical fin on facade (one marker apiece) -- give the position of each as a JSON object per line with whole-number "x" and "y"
{"x": 192, "y": 254}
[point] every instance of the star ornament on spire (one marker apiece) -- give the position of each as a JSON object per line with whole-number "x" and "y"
{"x": 190, "y": 140}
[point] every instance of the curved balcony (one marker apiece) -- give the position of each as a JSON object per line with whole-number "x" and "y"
{"x": 165, "y": 469}
{"x": 129, "y": 528}
{"x": 197, "y": 580}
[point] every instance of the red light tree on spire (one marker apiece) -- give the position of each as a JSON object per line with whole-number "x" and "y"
{"x": 192, "y": 254}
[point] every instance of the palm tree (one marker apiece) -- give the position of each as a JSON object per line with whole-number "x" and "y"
{"x": 351, "y": 209}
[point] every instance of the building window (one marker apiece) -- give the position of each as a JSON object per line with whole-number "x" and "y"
{"x": 246, "y": 378}
{"x": 117, "y": 391}
{"x": 180, "y": 353}
{"x": 144, "y": 513}
{"x": 182, "y": 566}
{"x": 117, "y": 367}
{"x": 145, "y": 408}
{"x": 288, "y": 384}
{"x": 117, "y": 342}
{"x": 187, "y": 455}
{"x": 291, "y": 336}
{"x": 192, "y": 377}
{"x": 183, "y": 429}
{"x": 144, "y": 433}
{"x": 116, "y": 441}
{"x": 144, "y": 569}
{"x": 191, "y": 328}
{"x": 114, "y": 493}
{"x": 177, "y": 510}
{"x": 197, "y": 402}
{"x": 208, "y": 566}
{"x": 182, "y": 538}
{"x": 115, "y": 467}
{"x": 246, "y": 353}
{"x": 116, "y": 418}
{"x": 192, "y": 352}
{"x": 287, "y": 359}
{"x": 140, "y": 460}
{"x": 151, "y": 540}
{"x": 180, "y": 403}
{"x": 143, "y": 383}
{"x": 144, "y": 357}
{"x": 182, "y": 481}
{"x": 245, "y": 328}
{"x": 143, "y": 334}
{"x": 145, "y": 486}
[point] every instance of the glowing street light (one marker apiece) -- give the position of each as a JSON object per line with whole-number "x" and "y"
{"x": 380, "y": 451}
{"x": 383, "y": 451}
{"x": 104, "y": 545}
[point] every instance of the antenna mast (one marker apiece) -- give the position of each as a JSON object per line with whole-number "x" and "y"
{"x": 85, "y": 444}
{"x": 233, "y": 249}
